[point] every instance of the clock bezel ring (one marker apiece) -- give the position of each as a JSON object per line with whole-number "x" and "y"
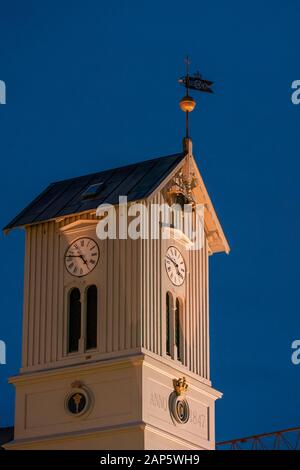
{"x": 183, "y": 280}
{"x": 67, "y": 249}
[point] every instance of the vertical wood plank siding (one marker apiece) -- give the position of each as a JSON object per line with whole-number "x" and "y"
{"x": 131, "y": 298}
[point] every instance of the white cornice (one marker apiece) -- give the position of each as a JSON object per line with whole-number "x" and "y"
{"x": 83, "y": 369}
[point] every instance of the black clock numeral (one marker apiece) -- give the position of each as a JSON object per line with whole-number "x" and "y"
{"x": 82, "y": 256}
{"x": 175, "y": 266}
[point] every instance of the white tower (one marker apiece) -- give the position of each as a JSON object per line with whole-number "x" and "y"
{"x": 115, "y": 335}
{"x": 116, "y": 330}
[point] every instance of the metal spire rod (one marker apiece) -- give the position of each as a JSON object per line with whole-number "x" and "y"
{"x": 187, "y": 62}
{"x": 194, "y": 82}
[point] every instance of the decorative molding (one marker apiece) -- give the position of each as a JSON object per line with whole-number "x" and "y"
{"x": 67, "y": 369}
{"x": 176, "y": 234}
{"x": 77, "y": 225}
{"x": 183, "y": 185}
{"x": 166, "y": 367}
{"x": 194, "y": 188}
{"x": 76, "y": 435}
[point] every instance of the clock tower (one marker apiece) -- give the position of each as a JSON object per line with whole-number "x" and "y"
{"x": 116, "y": 328}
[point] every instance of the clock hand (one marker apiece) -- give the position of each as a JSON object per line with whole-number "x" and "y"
{"x": 172, "y": 261}
{"x": 77, "y": 256}
{"x": 83, "y": 259}
{"x": 176, "y": 266}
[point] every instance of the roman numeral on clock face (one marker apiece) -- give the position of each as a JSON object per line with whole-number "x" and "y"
{"x": 175, "y": 266}
{"x": 82, "y": 256}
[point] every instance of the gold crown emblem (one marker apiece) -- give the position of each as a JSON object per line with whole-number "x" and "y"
{"x": 76, "y": 384}
{"x": 180, "y": 386}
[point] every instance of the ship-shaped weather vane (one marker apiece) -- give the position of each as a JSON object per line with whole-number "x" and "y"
{"x": 192, "y": 82}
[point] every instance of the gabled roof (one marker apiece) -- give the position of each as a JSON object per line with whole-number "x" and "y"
{"x": 136, "y": 181}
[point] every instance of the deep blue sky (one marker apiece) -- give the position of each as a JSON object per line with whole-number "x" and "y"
{"x": 91, "y": 85}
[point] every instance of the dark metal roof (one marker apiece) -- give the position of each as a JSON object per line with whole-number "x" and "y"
{"x": 136, "y": 181}
{"x": 6, "y": 435}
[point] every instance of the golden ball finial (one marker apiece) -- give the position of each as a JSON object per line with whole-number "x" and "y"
{"x": 187, "y": 104}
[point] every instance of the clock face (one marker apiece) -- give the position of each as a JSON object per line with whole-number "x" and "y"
{"x": 175, "y": 266}
{"x": 82, "y": 256}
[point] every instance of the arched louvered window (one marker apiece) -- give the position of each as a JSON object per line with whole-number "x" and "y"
{"x": 168, "y": 320}
{"x": 178, "y": 336}
{"x": 91, "y": 317}
{"x": 74, "y": 320}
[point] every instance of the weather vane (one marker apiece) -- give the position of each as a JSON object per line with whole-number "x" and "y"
{"x": 192, "y": 82}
